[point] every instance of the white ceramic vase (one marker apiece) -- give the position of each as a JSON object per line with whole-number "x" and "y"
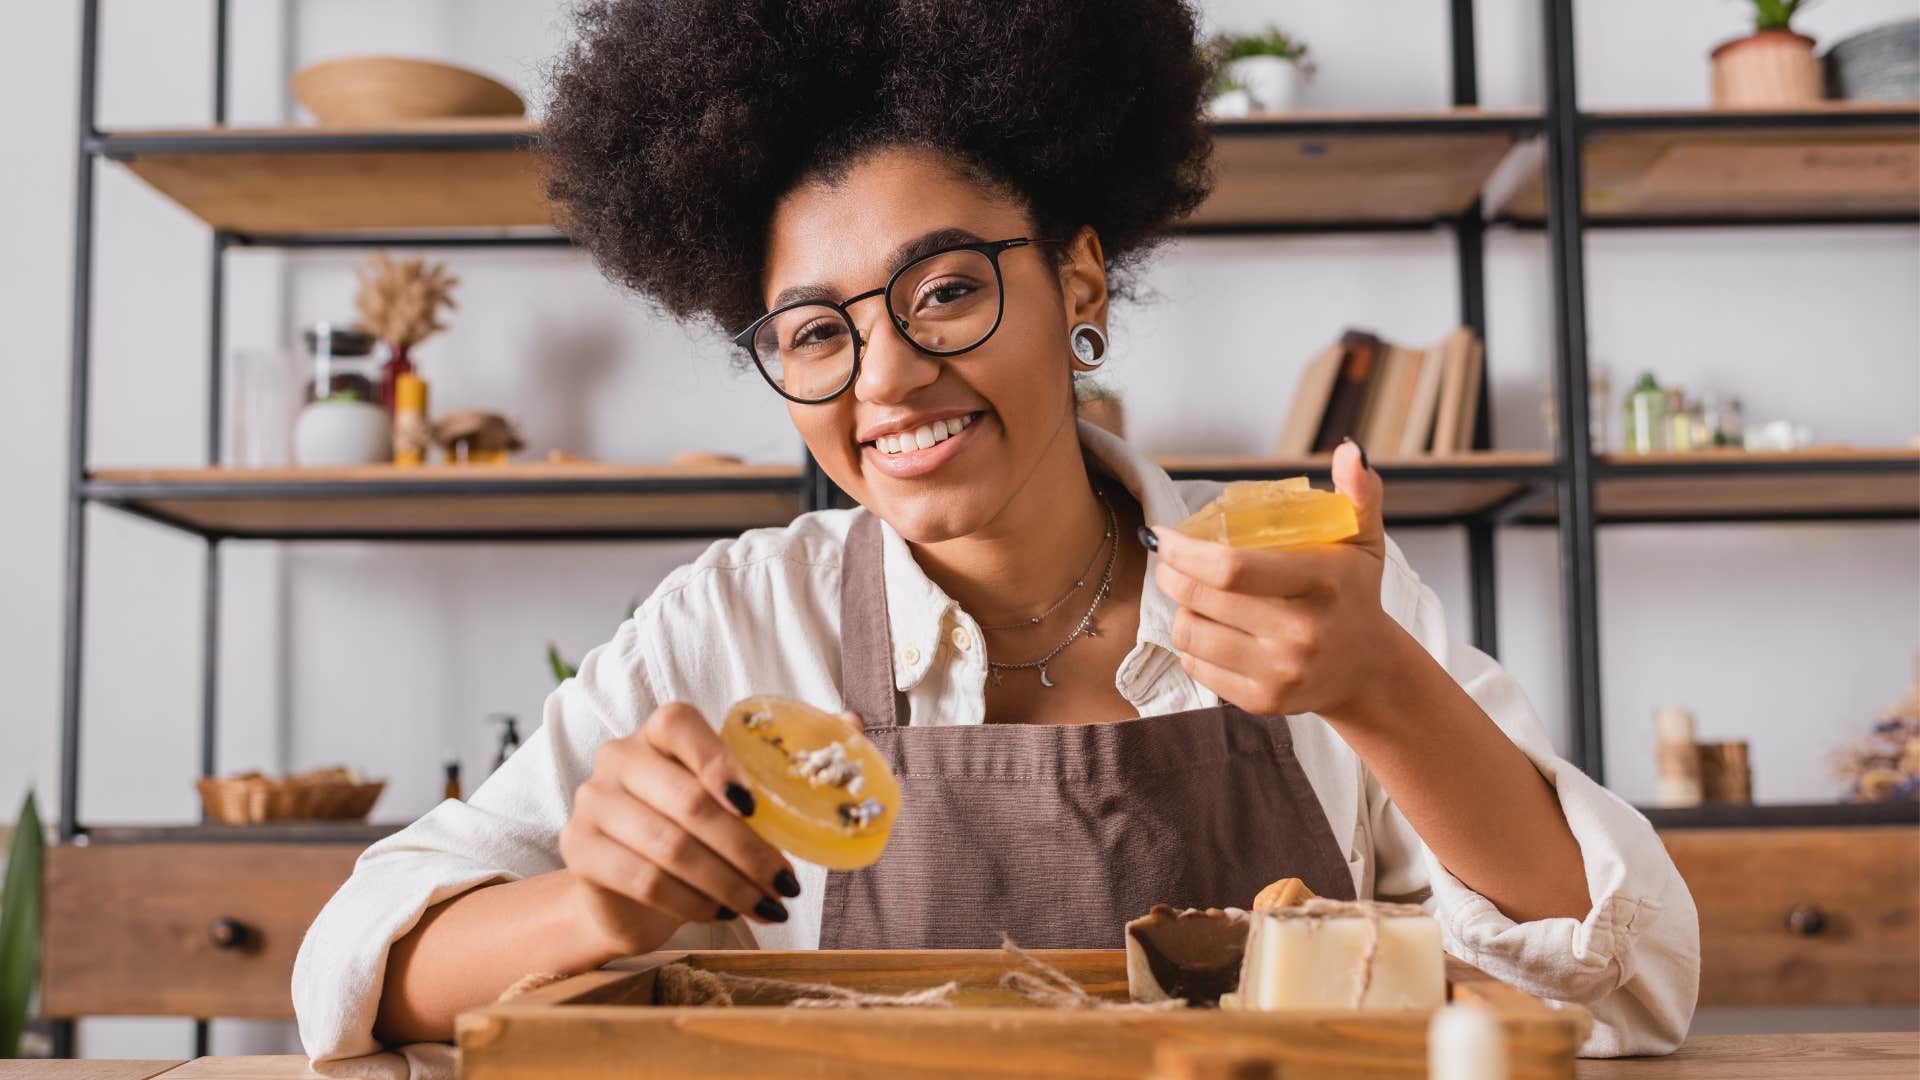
{"x": 341, "y": 433}
{"x": 1271, "y": 81}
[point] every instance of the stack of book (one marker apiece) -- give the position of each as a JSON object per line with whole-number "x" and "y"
{"x": 1397, "y": 401}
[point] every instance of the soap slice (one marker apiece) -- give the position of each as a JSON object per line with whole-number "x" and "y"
{"x": 1192, "y": 955}
{"x": 1273, "y": 513}
{"x": 1287, "y": 892}
{"x": 1337, "y": 954}
{"x": 821, "y": 790}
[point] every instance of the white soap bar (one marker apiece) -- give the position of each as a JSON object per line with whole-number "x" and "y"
{"x": 1466, "y": 1042}
{"x": 1296, "y": 962}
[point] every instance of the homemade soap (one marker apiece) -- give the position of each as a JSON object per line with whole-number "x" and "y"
{"x": 1287, "y": 892}
{"x": 1338, "y": 954}
{"x": 821, "y": 791}
{"x": 1191, "y": 955}
{"x": 1272, "y": 514}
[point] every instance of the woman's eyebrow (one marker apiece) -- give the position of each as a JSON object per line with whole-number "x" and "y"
{"x": 924, "y": 244}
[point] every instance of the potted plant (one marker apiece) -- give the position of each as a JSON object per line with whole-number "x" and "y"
{"x": 1256, "y": 72}
{"x": 1773, "y": 67}
{"x": 20, "y": 927}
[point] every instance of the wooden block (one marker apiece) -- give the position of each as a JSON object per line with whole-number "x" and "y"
{"x": 1816, "y": 916}
{"x": 131, "y": 928}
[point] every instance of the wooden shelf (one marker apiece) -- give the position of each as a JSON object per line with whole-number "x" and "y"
{"x": 272, "y": 832}
{"x": 477, "y": 176}
{"x": 1782, "y": 815}
{"x": 1334, "y": 169}
{"x": 1837, "y": 162}
{"x": 444, "y": 176}
{"x": 1734, "y": 485}
{"x": 1420, "y": 491}
{"x": 533, "y": 501}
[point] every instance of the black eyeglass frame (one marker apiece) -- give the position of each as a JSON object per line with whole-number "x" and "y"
{"x": 990, "y": 248}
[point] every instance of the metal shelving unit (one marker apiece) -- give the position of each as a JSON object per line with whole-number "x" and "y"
{"x": 1573, "y": 489}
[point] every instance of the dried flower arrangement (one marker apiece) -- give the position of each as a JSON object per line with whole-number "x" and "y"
{"x": 400, "y": 300}
{"x": 1885, "y": 764}
{"x": 400, "y": 303}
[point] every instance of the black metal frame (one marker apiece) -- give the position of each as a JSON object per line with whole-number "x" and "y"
{"x": 1569, "y": 482}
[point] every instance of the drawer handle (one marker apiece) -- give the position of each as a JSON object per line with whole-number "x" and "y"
{"x": 229, "y": 933}
{"x": 1806, "y": 920}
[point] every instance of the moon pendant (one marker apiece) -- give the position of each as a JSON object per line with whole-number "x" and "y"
{"x": 1044, "y": 681}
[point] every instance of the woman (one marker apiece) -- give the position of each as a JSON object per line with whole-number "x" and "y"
{"x": 911, "y": 218}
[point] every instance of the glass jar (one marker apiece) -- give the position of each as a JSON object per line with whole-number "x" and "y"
{"x": 343, "y": 363}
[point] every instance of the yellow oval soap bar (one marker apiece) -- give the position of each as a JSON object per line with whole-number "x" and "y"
{"x": 821, "y": 790}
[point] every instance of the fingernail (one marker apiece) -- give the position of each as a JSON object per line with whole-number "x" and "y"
{"x": 726, "y": 914}
{"x": 1362, "y": 449}
{"x": 741, "y": 798}
{"x": 771, "y": 911}
{"x": 1148, "y": 540}
{"x": 786, "y": 884}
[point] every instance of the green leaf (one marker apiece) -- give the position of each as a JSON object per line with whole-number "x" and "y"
{"x": 562, "y": 671}
{"x": 20, "y": 925}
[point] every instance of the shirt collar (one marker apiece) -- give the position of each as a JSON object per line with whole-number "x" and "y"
{"x": 917, "y": 608}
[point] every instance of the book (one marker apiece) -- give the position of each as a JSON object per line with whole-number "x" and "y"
{"x": 1470, "y": 407}
{"x": 1446, "y": 423}
{"x": 1309, "y": 403}
{"x": 1349, "y": 390}
{"x": 1417, "y": 437}
{"x": 1386, "y": 421}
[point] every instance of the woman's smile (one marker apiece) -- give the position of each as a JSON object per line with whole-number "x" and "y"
{"x": 922, "y": 449}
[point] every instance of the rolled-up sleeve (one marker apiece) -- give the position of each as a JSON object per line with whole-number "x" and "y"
{"x": 508, "y": 830}
{"x": 1633, "y": 961}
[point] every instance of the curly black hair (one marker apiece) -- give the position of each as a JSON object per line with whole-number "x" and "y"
{"x": 676, "y": 125}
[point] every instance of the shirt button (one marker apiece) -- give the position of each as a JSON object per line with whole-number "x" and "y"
{"x": 911, "y": 656}
{"x": 961, "y": 639}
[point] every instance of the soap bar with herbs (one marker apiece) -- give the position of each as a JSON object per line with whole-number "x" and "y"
{"x": 1273, "y": 513}
{"x": 821, "y": 790}
{"x": 1329, "y": 954}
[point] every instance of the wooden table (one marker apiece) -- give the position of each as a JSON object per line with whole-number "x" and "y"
{"x": 1894, "y": 1056}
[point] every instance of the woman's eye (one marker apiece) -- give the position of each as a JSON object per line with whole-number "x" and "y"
{"x": 945, "y": 292}
{"x": 818, "y": 332}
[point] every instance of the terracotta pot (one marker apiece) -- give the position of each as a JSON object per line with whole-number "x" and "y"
{"x": 1770, "y": 70}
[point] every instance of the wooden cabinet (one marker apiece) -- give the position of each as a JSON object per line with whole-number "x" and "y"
{"x": 1805, "y": 916}
{"x": 181, "y": 929}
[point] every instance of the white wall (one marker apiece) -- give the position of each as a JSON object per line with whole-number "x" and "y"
{"x": 388, "y": 657}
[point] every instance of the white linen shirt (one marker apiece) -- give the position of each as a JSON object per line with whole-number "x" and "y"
{"x": 760, "y": 615}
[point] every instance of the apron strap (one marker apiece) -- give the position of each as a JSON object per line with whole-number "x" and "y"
{"x": 866, "y": 646}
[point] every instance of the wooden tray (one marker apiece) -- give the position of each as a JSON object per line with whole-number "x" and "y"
{"x": 606, "y": 1024}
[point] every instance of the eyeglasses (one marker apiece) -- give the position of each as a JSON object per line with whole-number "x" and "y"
{"x": 944, "y": 303}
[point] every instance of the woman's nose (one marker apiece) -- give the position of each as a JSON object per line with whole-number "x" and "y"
{"x": 891, "y": 369}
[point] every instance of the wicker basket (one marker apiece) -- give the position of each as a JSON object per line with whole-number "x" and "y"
{"x": 322, "y": 794}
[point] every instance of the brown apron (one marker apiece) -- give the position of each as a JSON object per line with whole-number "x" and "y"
{"x": 1060, "y": 834}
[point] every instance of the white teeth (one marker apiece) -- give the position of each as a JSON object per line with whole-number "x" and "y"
{"x": 922, "y": 437}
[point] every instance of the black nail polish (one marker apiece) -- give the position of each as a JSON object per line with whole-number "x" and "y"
{"x": 786, "y": 884}
{"x": 726, "y": 914}
{"x": 1362, "y": 449}
{"x": 1148, "y": 540}
{"x": 741, "y": 798}
{"x": 771, "y": 911}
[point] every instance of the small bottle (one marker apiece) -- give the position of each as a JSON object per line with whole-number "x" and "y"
{"x": 411, "y": 433}
{"x": 1679, "y": 421}
{"x": 452, "y": 790}
{"x": 509, "y": 737}
{"x": 1646, "y": 416}
{"x": 1726, "y": 422}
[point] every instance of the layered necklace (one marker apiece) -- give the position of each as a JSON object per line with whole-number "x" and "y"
{"x": 1110, "y": 539}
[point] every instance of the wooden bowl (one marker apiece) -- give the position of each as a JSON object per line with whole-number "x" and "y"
{"x": 320, "y": 795}
{"x": 369, "y": 91}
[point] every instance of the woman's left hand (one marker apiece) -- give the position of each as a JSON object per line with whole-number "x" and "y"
{"x": 1286, "y": 631}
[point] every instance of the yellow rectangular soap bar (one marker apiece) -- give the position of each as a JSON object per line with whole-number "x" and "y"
{"x": 1272, "y": 514}
{"x": 1343, "y": 962}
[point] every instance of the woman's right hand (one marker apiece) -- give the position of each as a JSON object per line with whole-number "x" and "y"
{"x": 657, "y": 836}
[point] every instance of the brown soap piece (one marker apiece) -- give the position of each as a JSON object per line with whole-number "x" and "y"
{"x": 1193, "y": 955}
{"x": 1287, "y": 892}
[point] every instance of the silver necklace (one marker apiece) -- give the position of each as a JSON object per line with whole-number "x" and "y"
{"x": 1085, "y": 626}
{"x": 1080, "y": 582}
